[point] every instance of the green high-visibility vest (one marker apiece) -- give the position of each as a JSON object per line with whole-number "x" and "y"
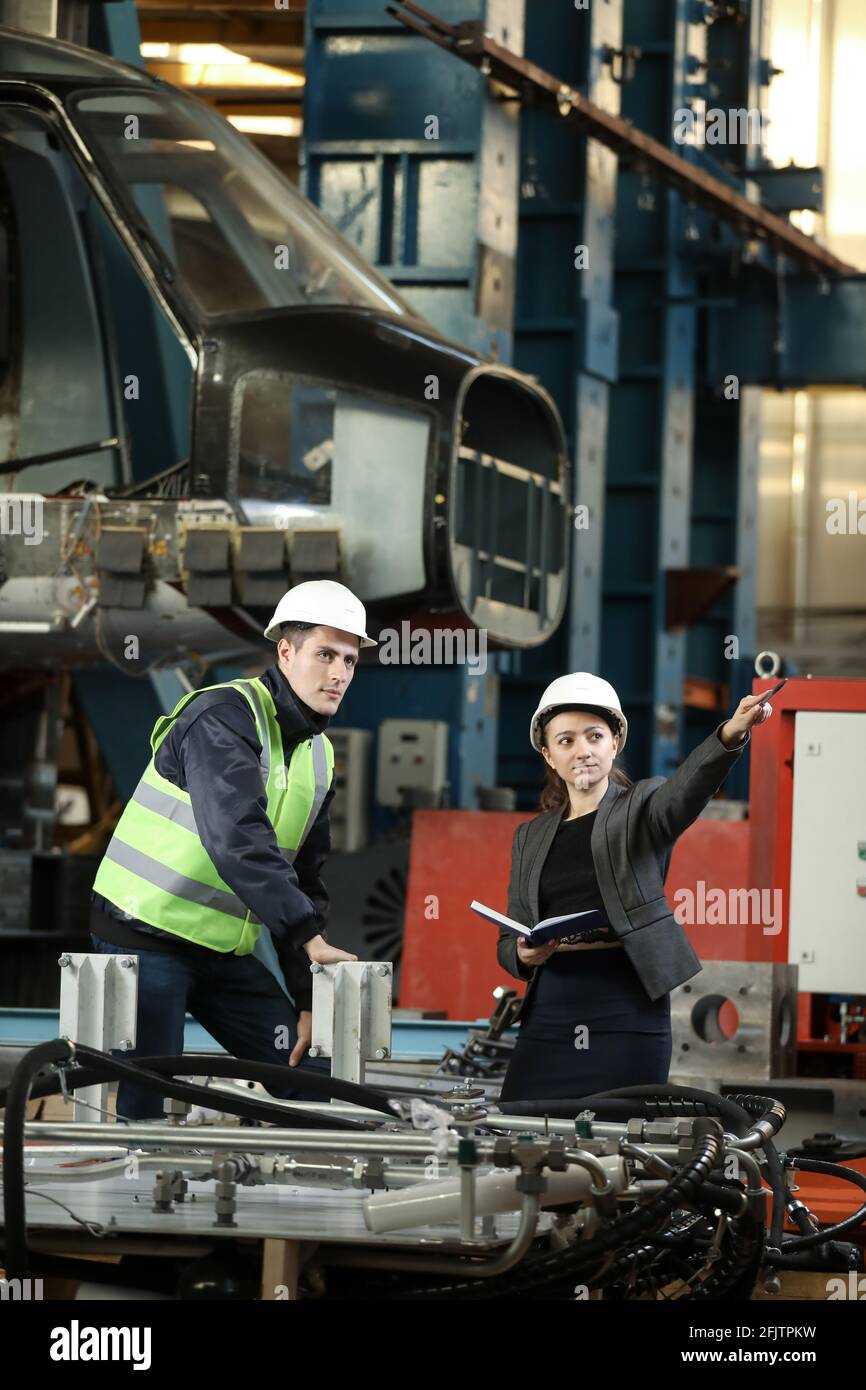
{"x": 156, "y": 867}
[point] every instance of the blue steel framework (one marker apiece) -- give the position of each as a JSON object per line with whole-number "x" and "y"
{"x": 415, "y": 161}
{"x": 650, "y": 441}
{"x": 567, "y": 332}
{"x": 614, "y": 336}
{"x": 723, "y": 519}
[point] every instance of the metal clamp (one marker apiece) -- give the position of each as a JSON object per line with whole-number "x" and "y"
{"x": 352, "y": 1015}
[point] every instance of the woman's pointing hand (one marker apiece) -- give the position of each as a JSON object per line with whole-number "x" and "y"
{"x": 748, "y": 714}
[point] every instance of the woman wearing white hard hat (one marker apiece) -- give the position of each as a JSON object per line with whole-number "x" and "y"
{"x": 596, "y": 1015}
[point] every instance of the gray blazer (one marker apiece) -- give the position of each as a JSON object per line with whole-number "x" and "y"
{"x": 632, "y": 840}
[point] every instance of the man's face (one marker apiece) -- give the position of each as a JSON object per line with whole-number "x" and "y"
{"x": 321, "y": 669}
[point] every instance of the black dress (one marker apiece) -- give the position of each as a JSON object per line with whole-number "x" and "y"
{"x": 589, "y": 1024}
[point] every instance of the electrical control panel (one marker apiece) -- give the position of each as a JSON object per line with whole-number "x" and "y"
{"x": 413, "y": 753}
{"x": 827, "y": 933}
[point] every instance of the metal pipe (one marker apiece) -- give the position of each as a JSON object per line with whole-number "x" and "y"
{"x": 752, "y": 1167}
{"x": 471, "y": 1269}
{"x": 249, "y": 1140}
{"x": 602, "y": 1183}
{"x": 533, "y": 1124}
{"x": 653, "y": 1161}
{"x": 539, "y": 1124}
{"x": 438, "y": 1203}
{"x": 467, "y": 1201}
{"x": 99, "y": 1136}
{"x": 293, "y": 1172}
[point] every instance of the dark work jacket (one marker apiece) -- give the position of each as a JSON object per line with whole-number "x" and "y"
{"x": 632, "y": 840}
{"x": 212, "y": 751}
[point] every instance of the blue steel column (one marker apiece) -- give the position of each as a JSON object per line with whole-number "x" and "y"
{"x": 439, "y": 217}
{"x": 566, "y": 330}
{"x": 434, "y": 208}
{"x": 597, "y": 349}
{"x": 650, "y": 437}
{"x": 727, "y": 430}
{"x": 566, "y": 333}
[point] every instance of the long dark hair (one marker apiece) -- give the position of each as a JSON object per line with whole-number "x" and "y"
{"x": 554, "y": 793}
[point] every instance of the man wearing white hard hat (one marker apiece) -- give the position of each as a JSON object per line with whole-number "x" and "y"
{"x": 596, "y": 1014}
{"x": 212, "y": 875}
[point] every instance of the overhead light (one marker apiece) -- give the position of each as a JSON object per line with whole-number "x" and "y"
{"x": 214, "y": 65}
{"x": 192, "y": 53}
{"x": 268, "y": 125}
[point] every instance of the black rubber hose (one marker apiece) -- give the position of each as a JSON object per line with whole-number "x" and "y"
{"x": 800, "y": 1218}
{"x": 663, "y": 1095}
{"x": 746, "y": 1110}
{"x": 329, "y": 1087}
{"x": 761, "y": 1108}
{"x": 836, "y": 1170}
{"x": 192, "y": 1063}
{"x": 245, "y": 1107}
{"x": 836, "y": 1257}
{"x": 17, "y": 1096}
{"x": 657, "y": 1100}
{"x": 766, "y": 1106}
{"x": 739, "y": 1112}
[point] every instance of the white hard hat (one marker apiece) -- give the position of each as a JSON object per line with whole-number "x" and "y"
{"x": 325, "y": 603}
{"x": 580, "y": 688}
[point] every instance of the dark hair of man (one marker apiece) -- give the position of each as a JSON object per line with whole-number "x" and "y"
{"x": 296, "y": 633}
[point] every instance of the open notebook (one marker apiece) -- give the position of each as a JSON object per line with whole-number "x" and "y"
{"x": 548, "y": 930}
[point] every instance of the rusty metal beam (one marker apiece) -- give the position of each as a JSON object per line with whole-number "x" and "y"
{"x": 468, "y": 42}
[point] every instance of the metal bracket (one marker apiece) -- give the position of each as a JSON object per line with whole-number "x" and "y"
{"x": 352, "y": 1015}
{"x": 99, "y": 1008}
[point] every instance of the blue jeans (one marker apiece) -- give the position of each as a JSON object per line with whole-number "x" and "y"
{"x": 235, "y": 998}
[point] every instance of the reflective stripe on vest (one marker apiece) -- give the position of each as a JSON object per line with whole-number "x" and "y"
{"x": 186, "y": 895}
{"x": 182, "y": 887}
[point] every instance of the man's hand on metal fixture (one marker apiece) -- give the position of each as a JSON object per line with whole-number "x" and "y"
{"x": 305, "y": 1033}
{"x": 322, "y": 953}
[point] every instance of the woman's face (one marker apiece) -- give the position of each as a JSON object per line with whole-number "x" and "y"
{"x": 580, "y": 747}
